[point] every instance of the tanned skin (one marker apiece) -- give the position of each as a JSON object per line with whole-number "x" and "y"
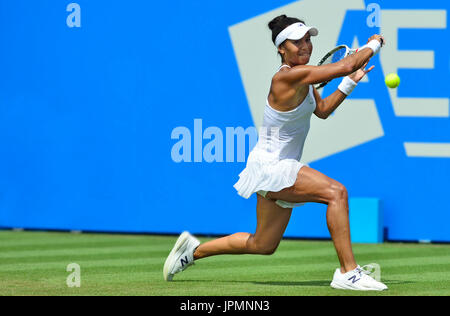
{"x": 289, "y": 88}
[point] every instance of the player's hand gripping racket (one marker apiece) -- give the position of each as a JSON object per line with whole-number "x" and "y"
{"x": 335, "y": 55}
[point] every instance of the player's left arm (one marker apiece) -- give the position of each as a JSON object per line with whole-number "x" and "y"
{"x": 326, "y": 106}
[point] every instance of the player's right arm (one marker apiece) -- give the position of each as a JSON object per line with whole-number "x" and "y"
{"x": 304, "y": 74}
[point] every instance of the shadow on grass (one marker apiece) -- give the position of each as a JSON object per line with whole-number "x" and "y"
{"x": 395, "y": 282}
{"x": 320, "y": 283}
{"x": 274, "y": 283}
{"x": 297, "y": 283}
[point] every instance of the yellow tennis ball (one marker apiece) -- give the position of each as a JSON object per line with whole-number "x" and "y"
{"x": 392, "y": 80}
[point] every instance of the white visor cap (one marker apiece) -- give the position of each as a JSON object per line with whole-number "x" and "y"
{"x": 295, "y": 31}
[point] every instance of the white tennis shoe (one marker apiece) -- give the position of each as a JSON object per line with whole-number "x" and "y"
{"x": 357, "y": 280}
{"x": 181, "y": 256}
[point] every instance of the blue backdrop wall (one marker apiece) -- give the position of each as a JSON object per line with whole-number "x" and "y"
{"x": 87, "y": 116}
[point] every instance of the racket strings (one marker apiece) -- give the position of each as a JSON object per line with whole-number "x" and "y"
{"x": 335, "y": 57}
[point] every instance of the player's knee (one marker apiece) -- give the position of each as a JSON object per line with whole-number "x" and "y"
{"x": 266, "y": 249}
{"x": 337, "y": 192}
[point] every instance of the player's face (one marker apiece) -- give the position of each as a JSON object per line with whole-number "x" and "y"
{"x": 298, "y": 52}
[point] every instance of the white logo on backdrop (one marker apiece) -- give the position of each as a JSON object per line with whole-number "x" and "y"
{"x": 357, "y": 122}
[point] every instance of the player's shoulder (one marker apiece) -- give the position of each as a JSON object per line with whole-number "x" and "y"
{"x": 288, "y": 73}
{"x": 281, "y": 73}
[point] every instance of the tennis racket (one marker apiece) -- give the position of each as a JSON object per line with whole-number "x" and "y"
{"x": 335, "y": 55}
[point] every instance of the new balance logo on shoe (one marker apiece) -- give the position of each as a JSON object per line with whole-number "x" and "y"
{"x": 354, "y": 279}
{"x": 184, "y": 261}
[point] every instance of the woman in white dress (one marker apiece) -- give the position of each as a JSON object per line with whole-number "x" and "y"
{"x": 274, "y": 170}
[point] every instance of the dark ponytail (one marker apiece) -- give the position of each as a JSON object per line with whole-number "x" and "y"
{"x": 279, "y": 23}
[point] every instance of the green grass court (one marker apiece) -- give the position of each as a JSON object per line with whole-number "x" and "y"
{"x": 34, "y": 263}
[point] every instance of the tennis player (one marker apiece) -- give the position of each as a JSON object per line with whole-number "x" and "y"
{"x": 274, "y": 171}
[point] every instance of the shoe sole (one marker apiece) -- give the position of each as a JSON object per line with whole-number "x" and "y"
{"x": 172, "y": 256}
{"x": 345, "y": 287}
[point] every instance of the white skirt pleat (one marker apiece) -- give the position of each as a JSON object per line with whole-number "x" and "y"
{"x": 264, "y": 173}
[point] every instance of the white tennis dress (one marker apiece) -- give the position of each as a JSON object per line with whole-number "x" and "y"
{"x": 274, "y": 163}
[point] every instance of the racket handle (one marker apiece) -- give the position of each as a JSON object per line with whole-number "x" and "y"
{"x": 381, "y": 41}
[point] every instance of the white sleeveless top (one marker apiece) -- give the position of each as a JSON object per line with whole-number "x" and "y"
{"x": 274, "y": 163}
{"x": 283, "y": 134}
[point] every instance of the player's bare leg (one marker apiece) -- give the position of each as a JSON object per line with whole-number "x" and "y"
{"x": 272, "y": 221}
{"x": 313, "y": 186}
